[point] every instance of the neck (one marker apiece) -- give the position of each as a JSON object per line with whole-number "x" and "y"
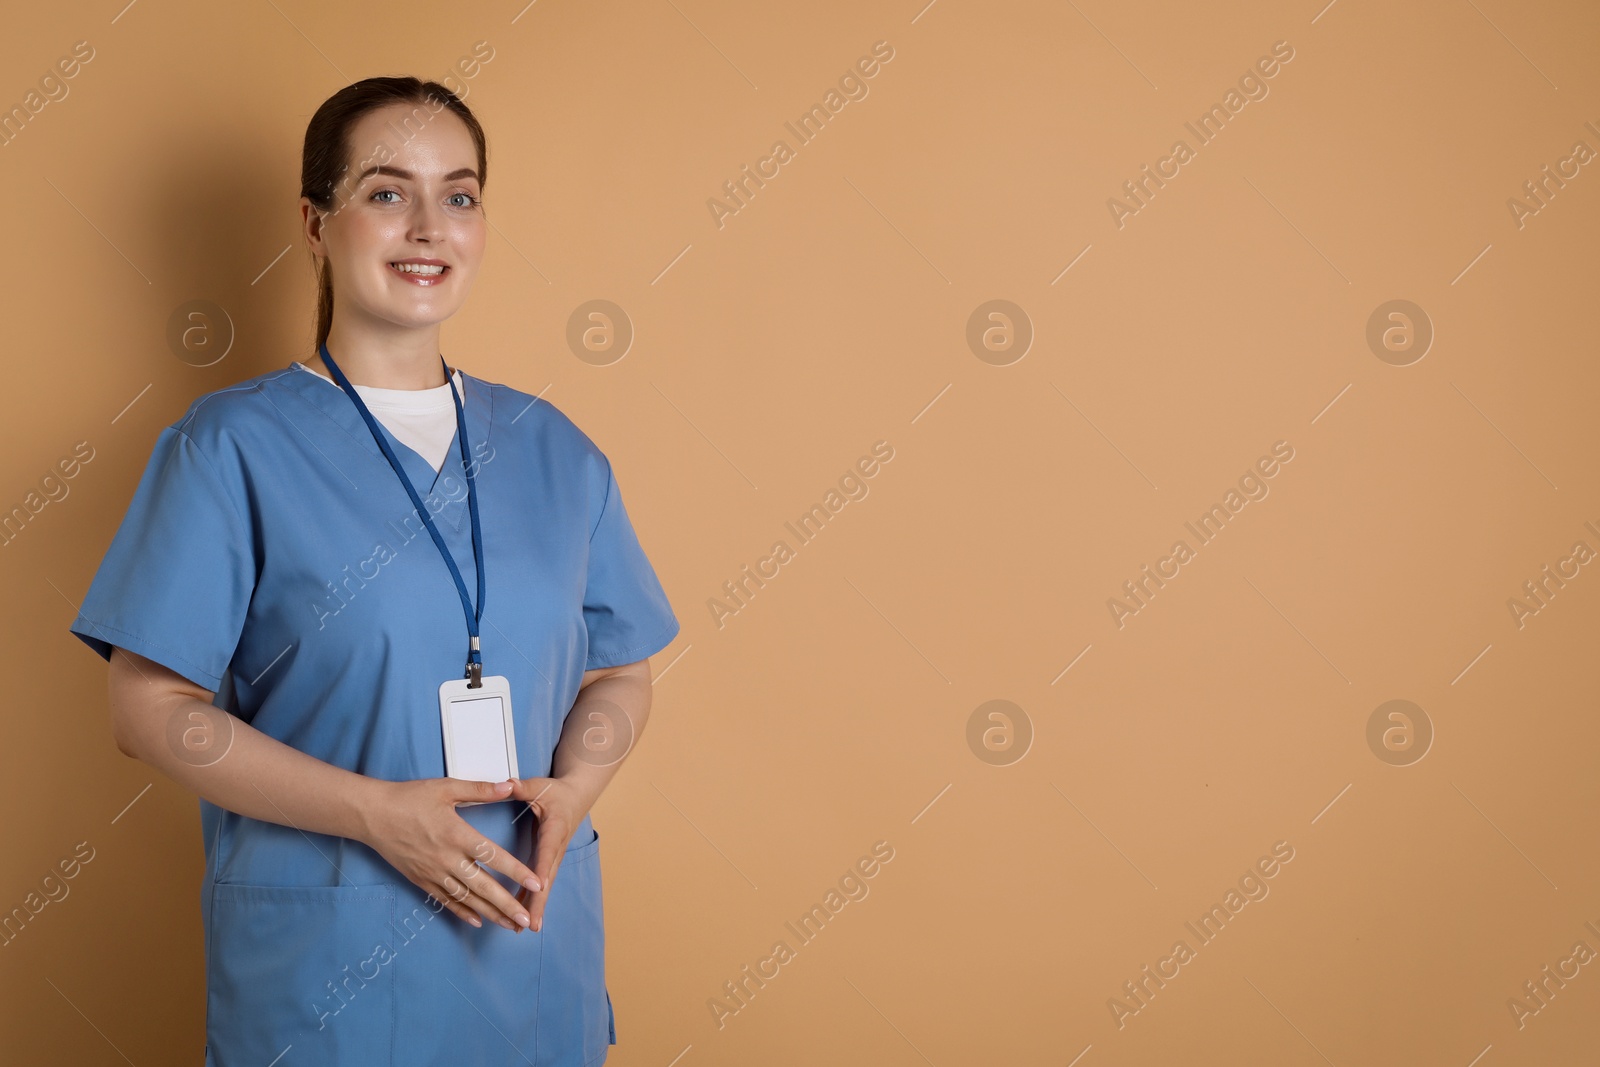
{"x": 400, "y": 359}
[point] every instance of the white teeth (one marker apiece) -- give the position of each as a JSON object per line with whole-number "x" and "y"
{"x": 417, "y": 268}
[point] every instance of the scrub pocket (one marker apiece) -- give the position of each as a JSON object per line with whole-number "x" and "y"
{"x": 575, "y": 1020}
{"x": 302, "y": 970}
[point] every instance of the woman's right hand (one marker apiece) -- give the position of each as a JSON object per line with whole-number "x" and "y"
{"x": 415, "y": 827}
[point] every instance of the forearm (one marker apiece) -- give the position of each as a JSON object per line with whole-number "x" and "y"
{"x": 235, "y": 766}
{"x": 602, "y": 728}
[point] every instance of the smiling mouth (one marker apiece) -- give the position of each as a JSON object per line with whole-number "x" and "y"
{"x": 421, "y": 273}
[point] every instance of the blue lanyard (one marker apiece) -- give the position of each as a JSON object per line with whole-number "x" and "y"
{"x": 474, "y": 672}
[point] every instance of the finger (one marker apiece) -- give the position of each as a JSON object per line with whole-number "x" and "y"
{"x": 461, "y": 912}
{"x": 548, "y": 854}
{"x": 529, "y": 898}
{"x": 536, "y": 911}
{"x": 529, "y": 789}
{"x": 548, "y": 851}
{"x": 475, "y": 904}
{"x": 463, "y": 791}
{"x": 481, "y": 907}
{"x": 503, "y": 861}
{"x": 490, "y": 855}
{"x": 492, "y": 899}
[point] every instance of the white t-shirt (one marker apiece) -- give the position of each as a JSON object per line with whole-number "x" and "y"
{"x": 423, "y": 420}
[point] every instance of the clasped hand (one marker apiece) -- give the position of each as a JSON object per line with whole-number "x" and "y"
{"x": 415, "y": 827}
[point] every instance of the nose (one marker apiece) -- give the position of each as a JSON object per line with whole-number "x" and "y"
{"x": 427, "y": 221}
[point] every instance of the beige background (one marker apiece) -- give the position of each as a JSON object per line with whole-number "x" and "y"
{"x": 831, "y": 312}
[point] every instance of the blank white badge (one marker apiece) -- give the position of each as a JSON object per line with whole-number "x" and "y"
{"x": 479, "y": 740}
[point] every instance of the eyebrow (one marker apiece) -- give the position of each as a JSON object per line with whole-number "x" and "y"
{"x": 406, "y": 175}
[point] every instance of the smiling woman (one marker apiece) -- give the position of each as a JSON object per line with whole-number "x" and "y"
{"x": 335, "y": 820}
{"x": 361, "y": 230}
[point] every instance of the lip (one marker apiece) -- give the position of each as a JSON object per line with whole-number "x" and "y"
{"x": 420, "y": 279}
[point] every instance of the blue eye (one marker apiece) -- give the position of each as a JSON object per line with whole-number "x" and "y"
{"x": 472, "y": 201}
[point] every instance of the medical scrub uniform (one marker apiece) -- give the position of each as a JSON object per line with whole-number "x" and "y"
{"x": 270, "y": 554}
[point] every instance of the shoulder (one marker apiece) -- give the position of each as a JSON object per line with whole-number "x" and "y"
{"x": 539, "y": 430}
{"x": 522, "y": 416}
{"x": 225, "y": 417}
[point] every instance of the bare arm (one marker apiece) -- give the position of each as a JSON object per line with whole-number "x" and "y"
{"x": 163, "y": 719}
{"x": 595, "y": 739}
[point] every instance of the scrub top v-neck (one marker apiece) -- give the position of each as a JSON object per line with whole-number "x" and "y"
{"x": 425, "y": 419}
{"x": 271, "y": 555}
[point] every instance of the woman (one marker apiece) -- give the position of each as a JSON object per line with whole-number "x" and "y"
{"x": 284, "y": 620}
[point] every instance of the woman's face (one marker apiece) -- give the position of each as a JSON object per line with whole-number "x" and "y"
{"x": 399, "y": 200}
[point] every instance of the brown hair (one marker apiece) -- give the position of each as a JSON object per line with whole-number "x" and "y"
{"x": 325, "y": 158}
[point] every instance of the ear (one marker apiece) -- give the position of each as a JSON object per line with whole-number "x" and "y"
{"x": 312, "y": 220}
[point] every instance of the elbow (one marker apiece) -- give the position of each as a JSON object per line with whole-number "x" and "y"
{"x": 143, "y": 696}
{"x": 123, "y": 737}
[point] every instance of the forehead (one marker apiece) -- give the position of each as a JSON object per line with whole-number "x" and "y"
{"x": 427, "y": 143}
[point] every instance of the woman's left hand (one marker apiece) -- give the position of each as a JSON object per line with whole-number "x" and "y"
{"x": 557, "y": 810}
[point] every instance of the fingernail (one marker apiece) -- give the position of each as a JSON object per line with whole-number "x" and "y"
{"x": 476, "y": 921}
{"x": 531, "y": 883}
{"x": 523, "y": 918}
{"x": 538, "y": 925}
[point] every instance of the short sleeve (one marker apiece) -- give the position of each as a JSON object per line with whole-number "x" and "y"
{"x": 624, "y": 607}
{"x": 176, "y": 583}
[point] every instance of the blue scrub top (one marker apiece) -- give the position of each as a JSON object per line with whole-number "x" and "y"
{"x": 271, "y": 555}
